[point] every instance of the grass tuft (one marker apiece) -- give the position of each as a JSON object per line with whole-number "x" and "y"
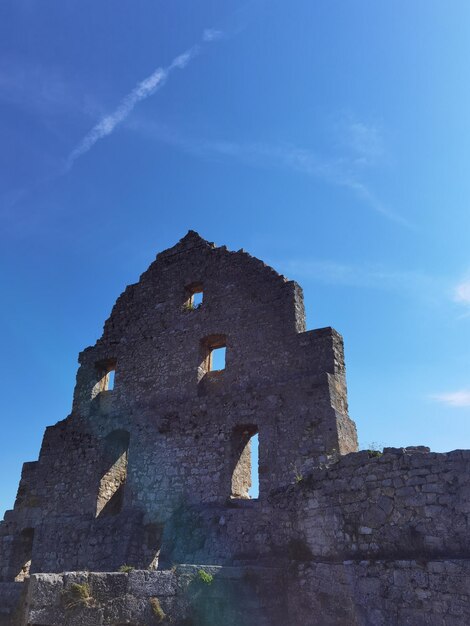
{"x": 157, "y": 610}
{"x": 125, "y": 569}
{"x": 77, "y": 595}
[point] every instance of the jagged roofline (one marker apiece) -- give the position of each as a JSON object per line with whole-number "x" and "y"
{"x": 193, "y": 240}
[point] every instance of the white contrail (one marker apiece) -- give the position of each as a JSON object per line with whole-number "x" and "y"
{"x": 210, "y": 34}
{"x": 143, "y": 90}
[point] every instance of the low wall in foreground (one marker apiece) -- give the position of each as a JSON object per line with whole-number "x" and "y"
{"x": 189, "y": 595}
{"x": 353, "y": 593}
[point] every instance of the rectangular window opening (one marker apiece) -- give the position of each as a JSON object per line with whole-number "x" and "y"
{"x": 217, "y": 359}
{"x": 110, "y": 385}
{"x": 194, "y": 296}
{"x": 197, "y": 298}
{"x": 105, "y": 371}
{"x": 253, "y": 492}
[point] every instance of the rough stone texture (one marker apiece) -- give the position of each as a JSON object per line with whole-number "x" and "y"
{"x": 381, "y": 593}
{"x": 155, "y": 473}
{"x": 11, "y": 603}
{"x": 402, "y": 504}
{"x": 232, "y": 596}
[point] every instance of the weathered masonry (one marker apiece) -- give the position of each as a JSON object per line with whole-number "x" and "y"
{"x": 140, "y": 509}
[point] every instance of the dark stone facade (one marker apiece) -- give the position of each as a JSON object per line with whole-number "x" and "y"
{"x": 155, "y": 472}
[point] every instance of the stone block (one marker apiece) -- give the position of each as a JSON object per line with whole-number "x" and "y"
{"x": 46, "y": 589}
{"x": 152, "y": 583}
{"x": 105, "y": 586}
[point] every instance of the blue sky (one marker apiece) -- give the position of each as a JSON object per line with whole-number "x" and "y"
{"x": 329, "y": 139}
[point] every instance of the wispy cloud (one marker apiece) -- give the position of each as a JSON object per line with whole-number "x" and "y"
{"x": 461, "y": 295}
{"x": 143, "y": 90}
{"x": 364, "y": 276}
{"x": 454, "y": 398}
{"x": 342, "y": 171}
{"x": 364, "y": 140}
{"x": 43, "y": 90}
{"x": 462, "y": 292}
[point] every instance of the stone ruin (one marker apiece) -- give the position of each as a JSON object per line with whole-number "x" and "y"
{"x": 138, "y": 510}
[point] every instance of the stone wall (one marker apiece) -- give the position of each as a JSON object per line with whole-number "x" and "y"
{"x": 184, "y": 596}
{"x": 154, "y": 473}
{"x": 112, "y": 479}
{"x": 381, "y": 593}
{"x": 405, "y": 503}
{"x": 11, "y": 603}
{"x": 354, "y": 593}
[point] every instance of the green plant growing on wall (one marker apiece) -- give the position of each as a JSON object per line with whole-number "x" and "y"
{"x": 157, "y": 610}
{"x": 205, "y": 577}
{"x": 78, "y": 594}
{"x": 126, "y": 569}
{"x": 375, "y": 449}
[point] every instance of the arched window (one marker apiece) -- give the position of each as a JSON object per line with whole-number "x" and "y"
{"x": 244, "y": 478}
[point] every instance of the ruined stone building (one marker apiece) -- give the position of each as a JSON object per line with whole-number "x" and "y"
{"x": 138, "y": 510}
